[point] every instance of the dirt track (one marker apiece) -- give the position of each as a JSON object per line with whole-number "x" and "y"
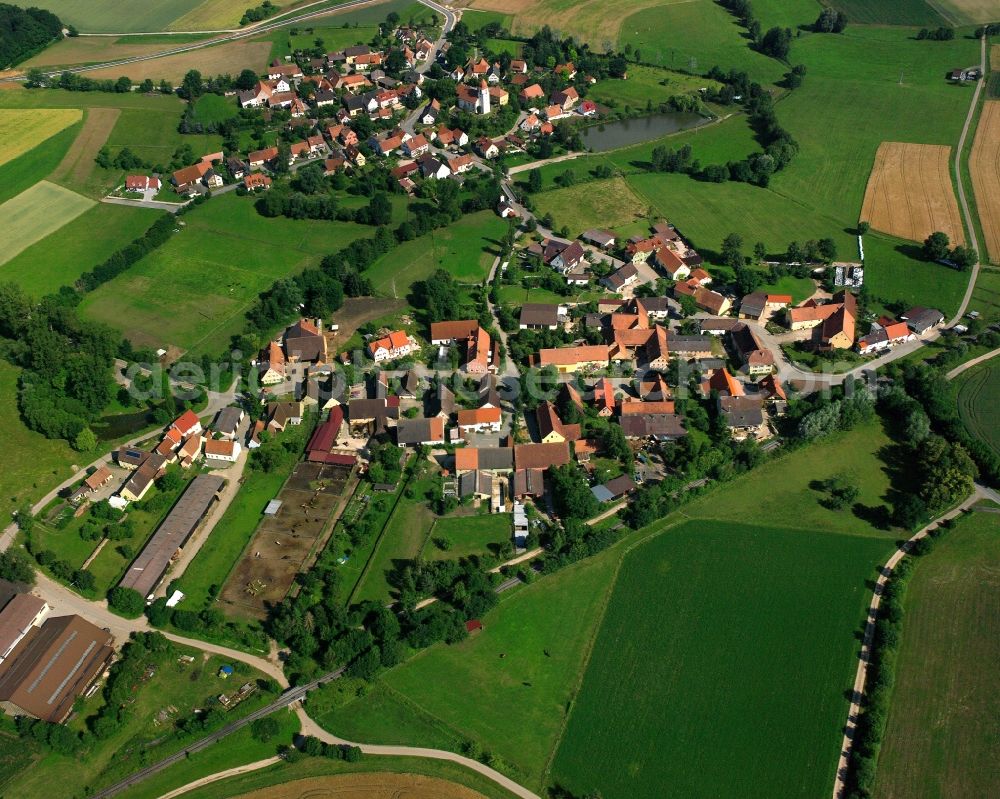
{"x": 984, "y": 166}
{"x": 366, "y": 786}
{"x": 910, "y": 194}
{"x": 78, "y": 162}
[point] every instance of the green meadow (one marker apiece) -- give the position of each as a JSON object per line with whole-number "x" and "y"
{"x": 193, "y": 291}
{"x": 941, "y": 736}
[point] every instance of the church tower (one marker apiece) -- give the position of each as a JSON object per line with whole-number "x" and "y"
{"x": 484, "y": 98}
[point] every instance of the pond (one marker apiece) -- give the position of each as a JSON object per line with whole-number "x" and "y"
{"x": 625, "y": 132}
{"x": 108, "y": 428}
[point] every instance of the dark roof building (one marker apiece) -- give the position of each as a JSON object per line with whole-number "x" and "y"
{"x": 539, "y": 315}
{"x": 661, "y": 426}
{"x": 52, "y": 666}
{"x": 919, "y": 319}
{"x": 147, "y": 570}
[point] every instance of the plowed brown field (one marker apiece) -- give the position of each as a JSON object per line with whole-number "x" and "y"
{"x": 984, "y": 165}
{"x": 909, "y": 192}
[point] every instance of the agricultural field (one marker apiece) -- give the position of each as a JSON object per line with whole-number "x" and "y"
{"x": 61, "y": 257}
{"x": 23, "y": 172}
{"x": 478, "y": 19}
{"x": 602, "y": 203}
{"x": 28, "y": 478}
{"x": 693, "y": 36}
{"x": 78, "y": 165}
{"x": 21, "y": 130}
{"x": 465, "y": 248}
{"x": 967, "y": 11}
{"x": 467, "y": 535}
{"x": 880, "y": 74}
{"x": 515, "y": 705}
{"x": 909, "y": 193}
{"x": 106, "y": 16}
{"x": 230, "y": 57}
{"x": 77, "y": 50}
{"x": 984, "y": 166}
{"x": 35, "y": 213}
{"x": 645, "y": 85}
{"x": 942, "y": 736}
{"x": 693, "y": 702}
{"x": 782, "y": 489}
{"x": 901, "y": 12}
{"x": 979, "y": 402}
{"x": 193, "y": 291}
{"x": 153, "y": 136}
{"x": 214, "y": 108}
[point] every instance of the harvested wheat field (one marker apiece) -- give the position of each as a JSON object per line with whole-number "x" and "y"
{"x": 24, "y": 129}
{"x": 78, "y": 162}
{"x": 230, "y": 57}
{"x": 984, "y": 165}
{"x": 909, "y": 192}
{"x": 366, "y": 786}
{"x": 35, "y": 213}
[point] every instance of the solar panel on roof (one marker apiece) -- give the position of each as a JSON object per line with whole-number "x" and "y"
{"x": 134, "y": 453}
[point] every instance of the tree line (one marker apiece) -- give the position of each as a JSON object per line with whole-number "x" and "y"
{"x": 24, "y": 32}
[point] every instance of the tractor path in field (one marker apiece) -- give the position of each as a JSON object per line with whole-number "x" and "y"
{"x": 885, "y": 572}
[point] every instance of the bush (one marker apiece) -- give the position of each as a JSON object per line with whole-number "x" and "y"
{"x": 265, "y": 729}
{"x": 126, "y": 601}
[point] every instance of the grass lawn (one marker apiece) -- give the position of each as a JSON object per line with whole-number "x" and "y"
{"x": 284, "y": 774}
{"x": 211, "y": 108}
{"x": 16, "y": 754}
{"x": 239, "y": 748}
{"x": 517, "y": 295}
{"x": 644, "y": 85}
{"x": 141, "y": 739}
{"x": 801, "y": 288}
{"x": 21, "y": 129}
{"x": 893, "y": 274}
{"x": 505, "y": 46}
{"x": 479, "y": 19}
{"x": 943, "y": 736}
{"x": 707, "y": 212}
{"x": 979, "y": 402}
{"x": 467, "y": 535}
{"x": 696, "y": 36}
{"x": 515, "y": 705}
{"x": 403, "y": 537}
{"x": 601, "y": 203}
{"x": 32, "y": 463}
{"x": 722, "y": 643}
{"x": 466, "y": 249}
{"x": 24, "y": 172}
{"x": 36, "y": 212}
{"x": 61, "y": 257}
{"x": 779, "y": 491}
{"x": 193, "y": 291}
{"x": 986, "y": 295}
{"x": 153, "y": 136}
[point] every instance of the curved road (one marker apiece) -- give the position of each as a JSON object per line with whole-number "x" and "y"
{"x": 969, "y": 364}
{"x": 858, "y": 692}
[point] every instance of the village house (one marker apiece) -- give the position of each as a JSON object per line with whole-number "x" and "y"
{"x": 551, "y": 428}
{"x": 395, "y": 345}
{"x": 884, "y": 334}
{"x": 567, "y": 360}
{"x": 541, "y": 316}
{"x": 759, "y": 305}
{"x": 256, "y": 181}
{"x": 754, "y": 356}
{"x": 260, "y": 158}
{"x": 920, "y": 319}
{"x": 479, "y": 420}
{"x": 141, "y": 183}
{"x": 621, "y": 278}
{"x": 473, "y": 100}
{"x": 604, "y": 239}
{"x": 416, "y": 432}
{"x": 221, "y": 450}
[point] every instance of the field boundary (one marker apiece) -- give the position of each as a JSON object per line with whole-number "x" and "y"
{"x": 984, "y": 171}
{"x": 969, "y": 391}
